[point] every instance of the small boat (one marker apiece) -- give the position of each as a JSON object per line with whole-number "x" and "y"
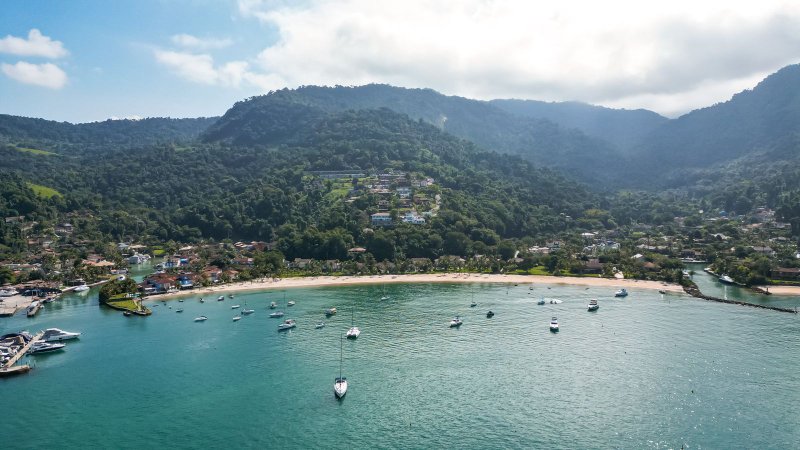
{"x": 200, "y": 319}
{"x": 236, "y": 306}
{"x": 330, "y": 311}
{"x": 273, "y": 305}
{"x": 554, "y": 325}
{"x": 248, "y": 311}
{"x": 554, "y": 301}
{"x": 276, "y": 314}
{"x": 621, "y": 293}
{"x": 201, "y": 300}
{"x": 220, "y": 298}
{"x": 384, "y": 297}
{"x": 726, "y": 279}
{"x": 127, "y": 313}
{"x": 456, "y": 322}
{"x": 662, "y": 292}
{"x": 287, "y": 324}
{"x": 45, "y": 347}
{"x": 473, "y": 304}
{"x": 230, "y": 296}
{"x": 81, "y": 288}
{"x": 340, "y": 383}
{"x": 290, "y": 303}
{"x": 541, "y": 301}
{"x": 593, "y": 306}
{"x": 179, "y": 310}
{"x": 489, "y": 315}
{"x": 320, "y": 325}
{"x": 54, "y": 335}
{"x": 180, "y": 301}
{"x": 237, "y": 318}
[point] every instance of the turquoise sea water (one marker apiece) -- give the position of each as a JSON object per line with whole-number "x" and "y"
{"x": 647, "y": 371}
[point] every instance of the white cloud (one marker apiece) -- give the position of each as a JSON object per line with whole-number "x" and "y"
{"x": 196, "y": 43}
{"x": 36, "y": 45}
{"x": 200, "y": 68}
{"x": 47, "y": 75}
{"x": 610, "y": 52}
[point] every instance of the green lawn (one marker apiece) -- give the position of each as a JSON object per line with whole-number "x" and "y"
{"x": 44, "y": 191}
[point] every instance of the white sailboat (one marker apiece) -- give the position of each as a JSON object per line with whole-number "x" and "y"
{"x": 385, "y": 297}
{"x": 353, "y": 332}
{"x": 340, "y": 383}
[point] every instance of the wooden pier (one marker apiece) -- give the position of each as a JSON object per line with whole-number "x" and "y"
{"x": 8, "y": 365}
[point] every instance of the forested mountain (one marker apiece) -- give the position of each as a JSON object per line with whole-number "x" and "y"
{"x": 620, "y": 127}
{"x": 127, "y": 133}
{"x": 251, "y": 192}
{"x": 762, "y": 119}
{"x": 270, "y": 119}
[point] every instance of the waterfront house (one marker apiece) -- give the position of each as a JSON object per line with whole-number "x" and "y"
{"x": 159, "y": 283}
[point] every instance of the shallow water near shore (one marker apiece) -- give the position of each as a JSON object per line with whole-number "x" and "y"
{"x": 647, "y": 371}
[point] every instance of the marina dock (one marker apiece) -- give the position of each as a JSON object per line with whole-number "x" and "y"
{"x": 9, "y": 369}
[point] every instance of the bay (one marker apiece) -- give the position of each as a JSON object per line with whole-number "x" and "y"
{"x": 646, "y": 371}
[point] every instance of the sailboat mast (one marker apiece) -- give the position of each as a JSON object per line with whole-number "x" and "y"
{"x": 341, "y": 355}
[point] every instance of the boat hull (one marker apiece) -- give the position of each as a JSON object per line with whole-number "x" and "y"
{"x": 340, "y": 387}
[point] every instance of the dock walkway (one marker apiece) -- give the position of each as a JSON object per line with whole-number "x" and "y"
{"x": 23, "y": 350}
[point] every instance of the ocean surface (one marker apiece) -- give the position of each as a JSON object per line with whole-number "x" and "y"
{"x": 646, "y": 371}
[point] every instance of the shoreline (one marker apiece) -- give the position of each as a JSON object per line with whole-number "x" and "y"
{"x": 782, "y": 290}
{"x": 322, "y": 281}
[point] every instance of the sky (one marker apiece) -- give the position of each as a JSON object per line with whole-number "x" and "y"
{"x": 90, "y": 60}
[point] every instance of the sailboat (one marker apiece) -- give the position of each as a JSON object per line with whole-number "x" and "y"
{"x": 246, "y": 311}
{"x": 353, "y": 332}
{"x": 385, "y": 297}
{"x": 340, "y": 383}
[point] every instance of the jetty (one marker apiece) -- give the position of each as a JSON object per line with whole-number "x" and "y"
{"x": 9, "y": 369}
{"x": 694, "y": 291}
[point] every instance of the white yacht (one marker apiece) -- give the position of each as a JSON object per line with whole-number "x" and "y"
{"x": 276, "y": 314}
{"x": 621, "y": 293}
{"x": 54, "y": 335}
{"x": 248, "y": 311}
{"x": 456, "y": 322}
{"x": 340, "y": 383}
{"x": 554, "y": 324}
{"x": 237, "y": 318}
{"x": 200, "y": 319}
{"x": 81, "y": 288}
{"x": 45, "y": 347}
{"x": 287, "y": 324}
{"x": 290, "y": 303}
{"x": 220, "y": 298}
{"x": 236, "y": 306}
{"x": 726, "y": 279}
{"x": 593, "y": 306}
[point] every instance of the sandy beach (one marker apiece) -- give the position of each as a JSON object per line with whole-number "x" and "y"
{"x": 782, "y": 290}
{"x": 287, "y": 283}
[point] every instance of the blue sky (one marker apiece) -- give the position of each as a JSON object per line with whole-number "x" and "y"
{"x": 87, "y": 60}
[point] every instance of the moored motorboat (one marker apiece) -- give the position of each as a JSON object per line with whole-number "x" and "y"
{"x": 489, "y": 315}
{"x": 236, "y": 306}
{"x": 621, "y": 293}
{"x": 220, "y": 298}
{"x": 456, "y": 322}
{"x": 290, "y": 303}
{"x": 200, "y": 319}
{"x": 320, "y": 325}
{"x": 248, "y": 311}
{"x": 237, "y": 318}
{"x": 353, "y": 333}
{"x": 726, "y": 279}
{"x": 554, "y": 324}
{"x": 287, "y": 324}
{"x": 473, "y": 304}
{"x": 330, "y": 311}
{"x": 179, "y": 310}
{"x": 276, "y": 314}
{"x": 45, "y": 347}
{"x": 340, "y": 383}
{"x": 273, "y": 305}
{"x": 593, "y": 306}
{"x": 541, "y": 301}
{"x": 55, "y": 335}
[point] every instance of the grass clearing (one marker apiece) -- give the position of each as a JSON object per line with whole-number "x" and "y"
{"x": 44, "y": 191}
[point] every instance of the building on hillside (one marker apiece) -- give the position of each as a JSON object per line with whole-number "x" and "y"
{"x": 381, "y": 219}
{"x": 785, "y": 273}
{"x": 413, "y": 218}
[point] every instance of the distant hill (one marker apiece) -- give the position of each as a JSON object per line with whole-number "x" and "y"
{"x": 762, "y": 119}
{"x": 620, "y": 127}
{"x": 277, "y": 117}
{"x": 128, "y": 133}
